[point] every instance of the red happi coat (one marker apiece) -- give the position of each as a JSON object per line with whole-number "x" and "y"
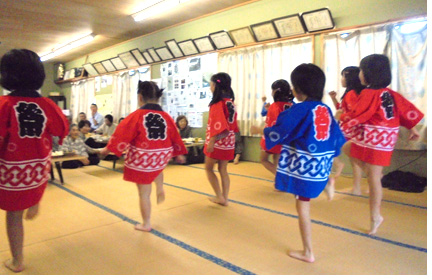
{"x": 27, "y": 126}
{"x": 378, "y": 115}
{"x": 273, "y": 112}
{"x": 348, "y": 103}
{"x": 222, "y": 123}
{"x": 151, "y": 139}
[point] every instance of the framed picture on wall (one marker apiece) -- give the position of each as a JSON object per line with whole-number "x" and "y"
{"x": 90, "y": 69}
{"x": 128, "y": 59}
{"x": 139, "y": 56}
{"x": 108, "y": 65}
{"x": 174, "y": 48}
{"x": 118, "y": 63}
{"x": 100, "y": 68}
{"x": 242, "y": 36}
{"x": 318, "y": 20}
{"x": 164, "y": 53}
{"x": 222, "y": 39}
{"x": 188, "y": 47}
{"x": 147, "y": 57}
{"x": 204, "y": 44}
{"x": 289, "y": 26}
{"x": 264, "y": 31}
{"x": 153, "y": 54}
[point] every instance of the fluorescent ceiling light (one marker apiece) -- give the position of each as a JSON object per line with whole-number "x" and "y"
{"x": 67, "y": 47}
{"x": 155, "y": 7}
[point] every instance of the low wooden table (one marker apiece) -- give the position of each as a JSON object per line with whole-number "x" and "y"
{"x": 57, "y": 162}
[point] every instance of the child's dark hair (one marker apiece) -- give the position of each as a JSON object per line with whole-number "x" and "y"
{"x": 376, "y": 70}
{"x": 282, "y": 91}
{"x": 82, "y": 123}
{"x": 149, "y": 90}
{"x": 351, "y": 74}
{"x": 179, "y": 118}
{"x": 21, "y": 69}
{"x": 308, "y": 79}
{"x": 222, "y": 82}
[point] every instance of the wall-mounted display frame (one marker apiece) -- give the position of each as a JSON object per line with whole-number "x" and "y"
{"x": 147, "y": 57}
{"x": 242, "y": 36}
{"x": 128, "y": 59}
{"x": 174, "y": 48}
{"x": 69, "y": 74}
{"x": 100, "y": 68}
{"x": 118, "y": 63}
{"x": 139, "y": 56}
{"x": 108, "y": 65}
{"x": 153, "y": 54}
{"x": 289, "y": 26}
{"x": 222, "y": 39}
{"x": 90, "y": 69}
{"x": 264, "y": 31}
{"x": 164, "y": 53}
{"x": 204, "y": 44}
{"x": 188, "y": 47}
{"x": 318, "y": 20}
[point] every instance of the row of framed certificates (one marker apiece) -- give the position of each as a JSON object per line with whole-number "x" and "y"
{"x": 287, "y": 26}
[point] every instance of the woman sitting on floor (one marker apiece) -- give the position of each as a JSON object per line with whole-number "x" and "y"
{"x": 73, "y": 143}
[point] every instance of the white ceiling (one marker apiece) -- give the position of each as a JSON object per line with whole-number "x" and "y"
{"x": 41, "y": 25}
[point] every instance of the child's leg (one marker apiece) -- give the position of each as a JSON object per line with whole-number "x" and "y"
{"x": 237, "y": 158}
{"x": 223, "y": 171}
{"x": 144, "y": 192}
{"x": 270, "y": 166}
{"x": 15, "y": 232}
{"x": 160, "y": 192}
{"x": 32, "y": 212}
{"x": 303, "y": 209}
{"x": 211, "y": 176}
{"x": 339, "y": 165}
{"x": 375, "y": 188}
{"x": 357, "y": 175}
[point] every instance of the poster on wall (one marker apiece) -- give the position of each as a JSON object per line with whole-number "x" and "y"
{"x": 187, "y": 87}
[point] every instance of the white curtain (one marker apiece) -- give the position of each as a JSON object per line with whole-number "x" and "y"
{"x": 254, "y": 69}
{"x": 124, "y": 90}
{"x": 83, "y": 95}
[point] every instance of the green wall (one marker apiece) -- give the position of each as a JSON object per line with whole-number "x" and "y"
{"x": 346, "y": 13}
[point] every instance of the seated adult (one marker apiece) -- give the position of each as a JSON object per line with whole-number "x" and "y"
{"x": 73, "y": 143}
{"x": 183, "y": 126}
{"x": 108, "y": 127}
{"x": 82, "y": 116}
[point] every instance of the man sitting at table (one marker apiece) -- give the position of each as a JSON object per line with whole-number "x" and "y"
{"x": 96, "y": 119}
{"x": 108, "y": 128}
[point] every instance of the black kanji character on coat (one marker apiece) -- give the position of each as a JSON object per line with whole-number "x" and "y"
{"x": 286, "y": 106}
{"x": 231, "y": 111}
{"x": 156, "y": 126}
{"x": 387, "y": 104}
{"x": 31, "y": 119}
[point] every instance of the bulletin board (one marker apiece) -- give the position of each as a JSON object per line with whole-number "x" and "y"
{"x": 187, "y": 87}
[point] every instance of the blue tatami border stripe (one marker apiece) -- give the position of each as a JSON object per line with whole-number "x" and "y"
{"x": 166, "y": 237}
{"x": 400, "y": 244}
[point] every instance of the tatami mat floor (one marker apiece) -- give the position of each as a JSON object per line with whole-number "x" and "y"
{"x": 86, "y": 227}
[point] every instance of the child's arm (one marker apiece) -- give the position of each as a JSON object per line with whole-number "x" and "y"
{"x": 210, "y": 145}
{"x": 254, "y": 129}
{"x": 414, "y": 134}
{"x": 333, "y": 98}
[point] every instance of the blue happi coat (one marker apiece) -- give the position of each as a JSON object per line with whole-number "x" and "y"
{"x": 310, "y": 139}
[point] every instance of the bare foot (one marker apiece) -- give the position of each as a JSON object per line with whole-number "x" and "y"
{"x": 142, "y": 227}
{"x": 356, "y": 191}
{"x": 375, "y": 225}
{"x": 237, "y": 159}
{"x": 160, "y": 197}
{"x": 32, "y": 212}
{"x": 330, "y": 188}
{"x": 220, "y": 201}
{"x": 13, "y": 267}
{"x": 301, "y": 255}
